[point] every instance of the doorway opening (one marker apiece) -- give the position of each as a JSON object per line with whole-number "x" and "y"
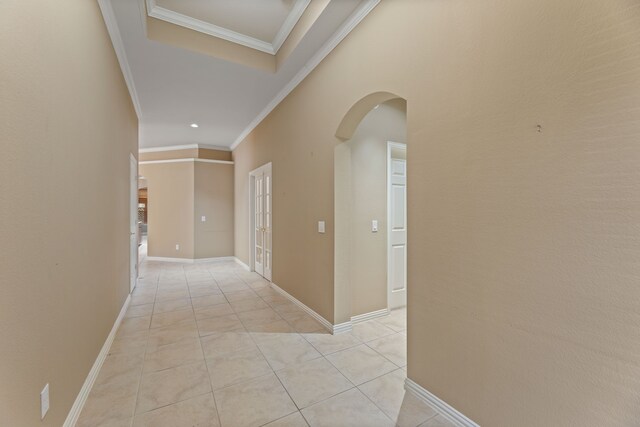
{"x": 133, "y": 222}
{"x": 371, "y": 212}
{"x": 261, "y": 208}
{"x": 143, "y": 215}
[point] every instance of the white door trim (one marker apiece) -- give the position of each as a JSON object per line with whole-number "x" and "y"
{"x": 133, "y": 213}
{"x": 252, "y": 215}
{"x": 391, "y": 145}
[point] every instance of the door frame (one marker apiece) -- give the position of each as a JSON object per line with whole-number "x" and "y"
{"x": 390, "y": 146}
{"x": 133, "y": 218}
{"x": 252, "y": 213}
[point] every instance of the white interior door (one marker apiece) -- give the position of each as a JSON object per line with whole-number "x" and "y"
{"x": 267, "y": 224}
{"x": 262, "y": 221}
{"x": 259, "y": 224}
{"x": 133, "y": 223}
{"x": 397, "y": 225}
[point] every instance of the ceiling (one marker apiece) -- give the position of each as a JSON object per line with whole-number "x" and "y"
{"x": 173, "y": 87}
{"x": 260, "y": 24}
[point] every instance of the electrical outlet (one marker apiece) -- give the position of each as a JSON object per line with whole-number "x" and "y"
{"x": 203, "y": 218}
{"x": 177, "y": 247}
{"x": 44, "y": 401}
{"x": 374, "y": 226}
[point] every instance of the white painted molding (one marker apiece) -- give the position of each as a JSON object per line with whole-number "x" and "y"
{"x": 185, "y": 160}
{"x": 242, "y": 264}
{"x": 352, "y": 21}
{"x": 192, "y": 260}
{"x": 215, "y": 259}
{"x": 168, "y": 259}
{"x": 368, "y": 316}
{"x": 116, "y": 40}
{"x": 341, "y": 328}
{"x": 324, "y": 322}
{"x": 176, "y": 18}
{"x": 76, "y": 409}
{"x": 287, "y": 26}
{"x": 183, "y": 147}
{"x": 185, "y": 21}
{"x": 443, "y": 408}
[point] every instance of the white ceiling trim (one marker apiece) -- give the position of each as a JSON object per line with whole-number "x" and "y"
{"x": 116, "y": 40}
{"x": 352, "y": 21}
{"x": 292, "y": 19}
{"x": 186, "y": 160}
{"x": 183, "y": 147}
{"x": 176, "y": 18}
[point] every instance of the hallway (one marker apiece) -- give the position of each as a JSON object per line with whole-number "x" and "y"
{"x": 211, "y": 344}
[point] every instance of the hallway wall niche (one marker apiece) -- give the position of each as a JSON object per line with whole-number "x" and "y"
{"x": 361, "y": 197}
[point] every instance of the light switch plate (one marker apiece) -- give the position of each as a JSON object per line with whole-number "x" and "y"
{"x": 203, "y": 218}
{"x": 44, "y": 401}
{"x": 320, "y": 226}
{"x": 374, "y": 226}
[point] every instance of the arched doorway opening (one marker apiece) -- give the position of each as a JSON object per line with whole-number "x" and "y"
{"x": 370, "y": 213}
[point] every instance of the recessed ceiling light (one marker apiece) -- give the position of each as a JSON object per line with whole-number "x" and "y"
{"x": 194, "y": 125}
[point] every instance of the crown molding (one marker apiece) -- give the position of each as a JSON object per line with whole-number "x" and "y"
{"x": 185, "y": 160}
{"x": 183, "y": 147}
{"x": 116, "y": 40}
{"x": 287, "y": 26}
{"x": 158, "y": 12}
{"x": 352, "y": 21}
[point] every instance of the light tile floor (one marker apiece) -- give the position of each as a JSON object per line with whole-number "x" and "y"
{"x": 213, "y": 345}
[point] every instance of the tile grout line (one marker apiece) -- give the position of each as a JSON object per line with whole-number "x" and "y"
{"x": 144, "y": 356}
{"x": 204, "y": 359}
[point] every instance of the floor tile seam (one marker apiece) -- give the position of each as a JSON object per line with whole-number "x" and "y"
{"x": 278, "y": 419}
{"x": 385, "y": 357}
{"x": 204, "y": 358}
{"x": 374, "y": 378}
{"x": 169, "y": 404}
{"x": 321, "y": 400}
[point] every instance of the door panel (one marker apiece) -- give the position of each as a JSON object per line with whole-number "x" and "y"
{"x": 262, "y": 222}
{"x": 397, "y": 232}
{"x": 259, "y": 239}
{"x": 267, "y": 225}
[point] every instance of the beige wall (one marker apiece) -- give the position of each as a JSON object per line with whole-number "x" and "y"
{"x": 214, "y": 200}
{"x": 67, "y": 127}
{"x": 523, "y": 248}
{"x": 206, "y": 153}
{"x": 368, "y": 251}
{"x": 189, "y": 153}
{"x": 170, "y": 190}
{"x": 179, "y": 194}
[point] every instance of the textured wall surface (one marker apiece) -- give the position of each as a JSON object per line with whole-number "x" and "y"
{"x": 67, "y": 127}
{"x": 524, "y": 245}
{"x": 213, "y": 198}
{"x": 179, "y": 195}
{"x": 368, "y": 251}
{"x": 170, "y": 209}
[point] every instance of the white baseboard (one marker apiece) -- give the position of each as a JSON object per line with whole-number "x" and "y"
{"x": 242, "y": 264}
{"x": 76, "y": 409}
{"x": 216, "y": 259}
{"x": 371, "y": 315}
{"x": 341, "y": 328}
{"x": 166, "y": 259}
{"x": 443, "y": 408}
{"x": 324, "y": 322}
{"x": 191, "y": 260}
